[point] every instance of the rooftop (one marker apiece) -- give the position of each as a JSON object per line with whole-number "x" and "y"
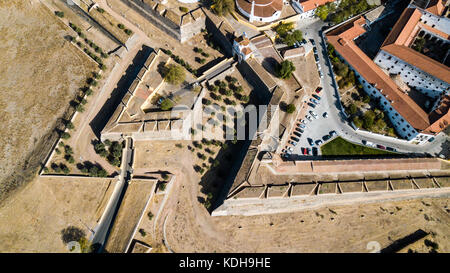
{"x": 342, "y": 39}
{"x": 402, "y": 35}
{"x": 262, "y": 8}
{"x": 313, "y": 4}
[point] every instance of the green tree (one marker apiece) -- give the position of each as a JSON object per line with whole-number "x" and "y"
{"x": 368, "y": 119}
{"x": 285, "y": 69}
{"x": 293, "y": 37}
{"x": 357, "y": 121}
{"x": 175, "y": 74}
{"x": 166, "y": 104}
{"x": 352, "y": 109}
{"x": 222, "y": 7}
{"x": 322, "y": 12}
{"x": 290, "y": 108}
{"x": 283, "y": 28}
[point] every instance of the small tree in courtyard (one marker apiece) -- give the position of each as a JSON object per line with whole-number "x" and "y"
{"x": 285, "y": 69}
{"x": 174, "y": 74}
{"x": 290, "y": 108}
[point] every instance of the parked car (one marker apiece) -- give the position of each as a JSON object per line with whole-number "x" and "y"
{"x": 391, "y": 149}
{"x": 295, "y": 139}
{"x": 381, "y": 147}
{"x": 431, "y": 139}
{"x": 318, "y": 89}
{"x": 299, "y": 129}
{"x": 315, "y": 50}
{"x": 297, "y": 134}
{"x": 316, "y": 57}
{"x": 290, "y": 149}
{"x": 302, "y": 126}
{"x": 325, "y": 115}
{"x": 326, "y": 137}
{"x": 312, "y": 42}
{"x": 316, "y": 96}
{"x": 320, "y": 73}
{"x": 333, "y": 133}
{"x": 308, "y": 151}
{"x": 310, "y": 141}
{"x": 314, "y": 101}
{"x": 308, "y": 118}
{"x": 315, "y": 151}
{"x": 312, "y": 105}
{"x": 313, "y": 114}
{"x": 291, "y": 142}
{"x": 319, "y": 142}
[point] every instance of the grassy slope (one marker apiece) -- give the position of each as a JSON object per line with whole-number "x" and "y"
{"x": 339, "y": 146}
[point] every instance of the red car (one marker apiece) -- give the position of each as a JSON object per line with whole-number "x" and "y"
{"x": 318, "y": 89}
{"x": 381, "y": 147}
{"x": 304, "y": 151}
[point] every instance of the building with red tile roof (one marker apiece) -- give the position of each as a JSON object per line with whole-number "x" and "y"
{"x": 260, "y": 10}
{"x": 409, "y": 119}
{"x": 306, "y": 8}
{"x": 398, "y": 56}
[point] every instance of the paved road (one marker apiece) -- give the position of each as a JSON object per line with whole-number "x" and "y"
{"x": 336, "y": 120}
{"x": 101, "y": 231}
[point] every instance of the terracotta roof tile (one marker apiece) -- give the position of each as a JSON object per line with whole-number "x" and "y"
{"x": 263, "y": 8}
{"x": 375, "y": 76}
{"x": 312, "y": 4}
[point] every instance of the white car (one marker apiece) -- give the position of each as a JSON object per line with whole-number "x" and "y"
{"x": 313, "y": 114}
{"x": 325, "y": 115}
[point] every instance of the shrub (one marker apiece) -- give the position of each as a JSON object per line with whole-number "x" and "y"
{"x": 166, "y": 104}
{"x": 100, "y": 10}
{"x": 121, "y": 26}
{"x": 128, "y": 32}
{"x": 60, "y": 14}
{"x": 150, "y": 215}
{"x": 142, "y": 232}
{"x": 79, "y": 108}
{"x": 68, "y": 150}
{"x": 65, "y": 135}
{"x": 290, "y": 108}
{"x": 184, "y": 9}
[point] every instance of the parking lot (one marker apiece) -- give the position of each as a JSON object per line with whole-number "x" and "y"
{"x": 312, "y": 123}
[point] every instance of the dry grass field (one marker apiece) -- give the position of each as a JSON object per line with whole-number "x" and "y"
{"x": 40, "y": 72}
{"x": 32, "y": 219}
